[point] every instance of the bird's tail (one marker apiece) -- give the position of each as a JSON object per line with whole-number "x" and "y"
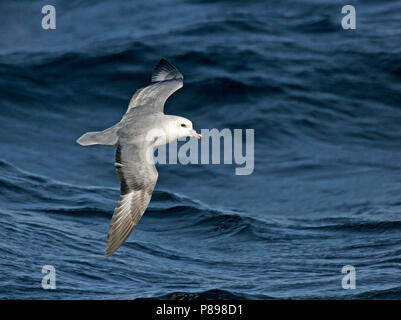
{"x": 106, "y": 137}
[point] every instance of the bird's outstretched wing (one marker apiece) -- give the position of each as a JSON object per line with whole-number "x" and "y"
{"x": 166, "y": 79}
{"x": 138, "y": 178}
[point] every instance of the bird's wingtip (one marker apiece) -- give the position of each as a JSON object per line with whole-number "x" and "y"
{"x": 164, "y": 70}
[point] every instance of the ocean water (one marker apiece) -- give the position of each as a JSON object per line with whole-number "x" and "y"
{"x": 325, "y": 104}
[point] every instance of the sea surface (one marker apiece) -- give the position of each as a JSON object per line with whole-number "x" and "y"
{"x": 325, "y": 104}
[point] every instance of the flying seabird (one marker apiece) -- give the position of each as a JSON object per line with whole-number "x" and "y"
{"x": 143, "y": 127}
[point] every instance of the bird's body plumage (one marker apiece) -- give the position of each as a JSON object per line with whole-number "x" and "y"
{"x": 143, "y": 127}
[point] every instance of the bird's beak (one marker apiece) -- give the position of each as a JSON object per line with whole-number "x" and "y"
{"x": 195, "y": 134}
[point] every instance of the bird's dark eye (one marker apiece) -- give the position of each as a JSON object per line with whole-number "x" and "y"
{"x": 183, "y": 125}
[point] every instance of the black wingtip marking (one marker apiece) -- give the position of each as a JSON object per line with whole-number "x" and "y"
{"x": 164, "y": 70}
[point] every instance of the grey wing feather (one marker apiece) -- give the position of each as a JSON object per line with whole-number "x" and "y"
{"x": 166, "y": 79}
{"x": 138, "y": 179}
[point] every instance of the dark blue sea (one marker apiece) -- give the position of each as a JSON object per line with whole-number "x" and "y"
{"x": 325, "y": 104}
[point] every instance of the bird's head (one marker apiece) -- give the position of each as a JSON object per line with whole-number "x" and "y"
{"x": 184, "y": 128}
{"x": 172, "y": 128}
